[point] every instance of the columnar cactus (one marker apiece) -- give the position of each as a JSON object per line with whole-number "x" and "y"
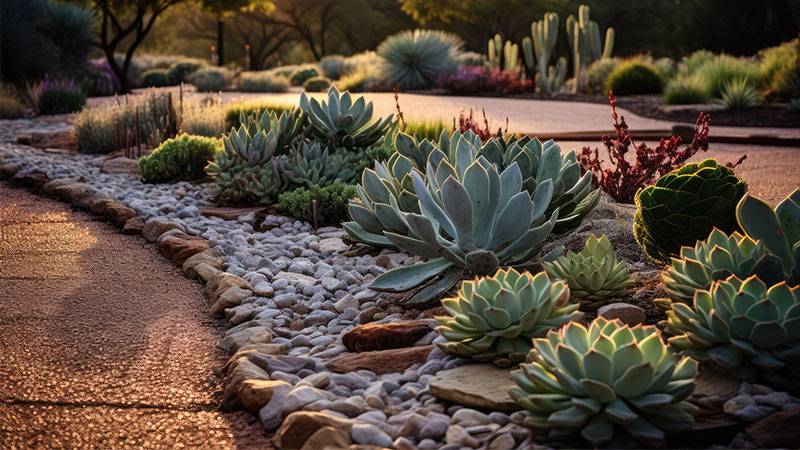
{"x": 605, "y": 377}
{"x": 741, "y": 325}
{"x": 541, "y": 44}
{"x": 595, "y": 276}
{"x": 503, "y": 55}
{"x": 684, "y": 206}
{"x": 494, "y": 318}
{"x": 583, "y": 38}
{"x": 716, "y": 258}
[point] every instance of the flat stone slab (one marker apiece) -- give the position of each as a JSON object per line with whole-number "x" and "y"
{"x": 232, "y": 213}
{"x": 479, "y": 386}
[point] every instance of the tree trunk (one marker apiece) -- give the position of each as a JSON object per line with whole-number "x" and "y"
{"x": 220, "y": 43}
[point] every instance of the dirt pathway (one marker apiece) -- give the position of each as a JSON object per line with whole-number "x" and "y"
{"x": 103, "y": 344}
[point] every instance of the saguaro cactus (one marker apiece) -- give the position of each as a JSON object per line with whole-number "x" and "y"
{"x": 583, "y": 36}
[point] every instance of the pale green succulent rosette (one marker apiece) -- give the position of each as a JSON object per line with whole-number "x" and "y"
{"x": 494, "y": 318}
{"x": 341, "y": 122}
{"x": 595, "y": 275}
{"x": 716, "y": 258}
{"x": 604, "y": 378}
{"x": 741, "y": 325}
{"x": 312, "y": 164}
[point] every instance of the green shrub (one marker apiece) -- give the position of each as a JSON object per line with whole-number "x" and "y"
{"x": 102, "y": 128}
{"x": 332, "y": 66}
{"x": 154, "y": 78}
{"x": 778, "y": 65}
{"x": 317, "y": 84}
{"x": 723, "y": 69}
{"x": 691, "y": 63}
{"x": 234, "y": 111}
{"x": 416, "y": 59}
{"x": 70, "y": 28}
{"x": 685, "y": 89}
{"x": 181, "y": 71}
{"x": 381, "y": 151}
{"x": 363, "y": 79}
{"x": 10, "y": 105}
{"x": 300, "y": 75}
{"x": 181, "y": 158}
{"x": 667, "y": 68}
{"x": 211, "y": 79}
{"x": 57, "y": 96}
{"x": 262, "y": 82}
{"x": 429, "y": 129}
{"x": 331, "y": 203}
{"x": 635, "y": 78}
{"x": 597, "y": 75}
{"x": 740, "y": 93}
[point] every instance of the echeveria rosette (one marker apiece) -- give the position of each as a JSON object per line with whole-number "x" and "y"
{"x": 494, "y": 318}
{"x": 683, "y": 207}
{"x": 595, "y": 275}
{"x": 604, "y": 378}
{"x": 716, "y": 258}
{"x": 779, "y": 230}
{"x": 741, "y": 325}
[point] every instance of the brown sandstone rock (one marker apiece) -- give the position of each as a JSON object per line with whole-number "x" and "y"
{"x": 254, "y": 394}
{"x": 62, "y": 139}
{"x": 30, "y": 180}
{"x": 121, "y": 165}
{"x": 627, "y": 313}
{"x": 156, "y": 227}
{"x": 779, "y": 430}
{"x": 327, "y": 437}
{"x": 231, "y": 213}
{"x": 382, "y": 336}
{"x": 118, "y": 213}
{"x": 298, "y": 427}
{"x": 480, "y": 386}
{"x": 228, "y": 299}
{"x": 381, "y": 361}
{"x": 179, "y": 248}
{"x": 133, "y": 225}
{"x": 72, "y": 192}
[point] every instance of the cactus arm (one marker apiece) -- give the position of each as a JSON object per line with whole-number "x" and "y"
{"x": 608, "y": 48}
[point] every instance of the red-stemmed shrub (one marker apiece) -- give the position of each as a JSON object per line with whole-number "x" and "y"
{"x": 468, "y": 122}
{"x": 623, "y": 178}
{"x": 482, "y": 80}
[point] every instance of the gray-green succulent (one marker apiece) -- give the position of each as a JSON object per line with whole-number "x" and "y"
{"x": 716, "y": 258}
{"x": 604, "y": 378}
{"x": 741, "y": 325}
{"x": 595, "y": 275}
{"x": 341, "y": 122}
{"x": 390, "y": 181}
{"x": 473, "y": 219}
{"x": 494, "y": 318}
{"x": 312, "y": 164}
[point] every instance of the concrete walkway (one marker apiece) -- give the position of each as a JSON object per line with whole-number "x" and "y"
{"x": 103, "y": 344}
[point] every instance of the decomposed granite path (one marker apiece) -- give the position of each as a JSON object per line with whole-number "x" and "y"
{"x": 103, "y": 343}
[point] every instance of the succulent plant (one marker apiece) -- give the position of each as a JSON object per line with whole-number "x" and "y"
{"x": 494, "y": 318}
{"x": 684, "y": 205}
{"x": 342, "y": 122}
{"x": 741, "y": 325}
{"x": 312, "y": 164}
{"x": 249, "y": 170}
{"x": 595, "y": 276}
{"x": 415, "y": 59}
{"x": 716, "y": 258}
{"x": 603, "y": 377}
{"x": 779, "y": 230}
{"x": 389, "y": 182}
{"x": 473, "y": 219}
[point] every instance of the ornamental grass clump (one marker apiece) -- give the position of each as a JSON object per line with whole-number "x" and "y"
{"x": 181, "y": 158}
{"x": 595, "y": 276}
{"x": 57, "y": 96}
{"x": 625, "y": 177}
{"x": 683, "y": 207}
{"x": 416, "y": 59}
{"x": 262, "y": 82}
{"x": 603, "y": 379}
{"x": 742, "y": 325}
{"x": 494, "y": 318}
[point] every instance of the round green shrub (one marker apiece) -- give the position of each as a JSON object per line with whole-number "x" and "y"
{"x": 181, "y": 71}
{"x": 210, "y": 79}
{"x": 155, "y": 78}
{"x": 331, "y": 200}
{"x": 262, "y": 82}
{"x": 302, "y": 74}
{"x": 685, "y": 90}
{"x": 683, "y": 206}
{"x": 317, "y": 84}
{"x": 635, "y": 78}
{"x": 181, "y": 158}
{"x": 597, "y": 75}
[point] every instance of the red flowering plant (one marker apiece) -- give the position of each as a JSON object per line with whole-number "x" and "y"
{"x": 482, "y": 80}
{"x": 468, "y": 122}
{"x": 623, "y": 178}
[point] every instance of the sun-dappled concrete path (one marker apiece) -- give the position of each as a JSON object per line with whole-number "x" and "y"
{"x": 103, "y": 344}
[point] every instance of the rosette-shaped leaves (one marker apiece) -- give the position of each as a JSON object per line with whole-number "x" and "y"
{"x": 684, "y": 205}
{"x": 494, "y": 318}
{"x": 249, "y": 171}
{"x": 595, "y": 276}
{"x": 605, "y": 377}
{"x": 343, "y": 123}
{"x": 311, "y": 164}
{"x": 473, "y": 219}
{"x": 779, "y": 230}
{"x": 741, "y": 325}
{"x": 391, "y": 181}
{"x": 716, "y": 258}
